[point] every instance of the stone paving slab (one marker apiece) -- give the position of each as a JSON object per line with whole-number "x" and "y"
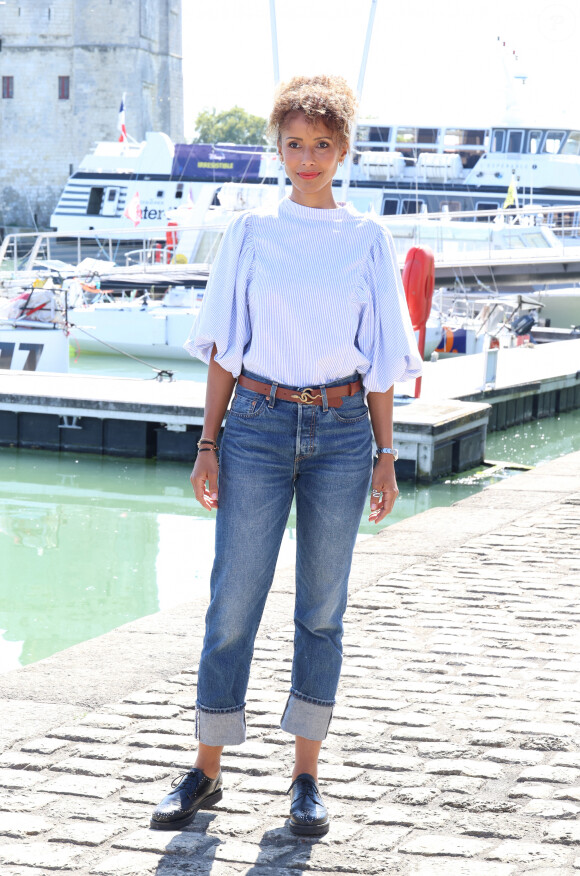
{"x": 455, "y": 747}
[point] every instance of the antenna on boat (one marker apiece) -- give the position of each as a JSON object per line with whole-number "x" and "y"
{"x": 274, "y": 32}
{"x": 359, "y": 88}
{"x": 509, "y": 61}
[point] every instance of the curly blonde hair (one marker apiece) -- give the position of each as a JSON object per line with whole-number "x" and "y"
{"x": 328, "y": 99}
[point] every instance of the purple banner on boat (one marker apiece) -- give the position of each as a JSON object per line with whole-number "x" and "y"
{"x": 202, "y": 161}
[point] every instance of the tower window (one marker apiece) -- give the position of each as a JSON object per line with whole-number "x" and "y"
{"x": 8, "y": 86}
{"x": 63, "y": 87}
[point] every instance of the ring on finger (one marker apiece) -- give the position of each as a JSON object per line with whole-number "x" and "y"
{"x": 376, "y": 494}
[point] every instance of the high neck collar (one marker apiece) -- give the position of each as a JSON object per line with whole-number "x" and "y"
{"x": 312, "y": 212}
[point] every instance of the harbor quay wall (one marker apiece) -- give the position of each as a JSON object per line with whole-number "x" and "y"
{"x": 455, "y": 741}
{"x": 161, "y": 420}
{"x": 102, "y": 50}
{"x": 533, "y": 401}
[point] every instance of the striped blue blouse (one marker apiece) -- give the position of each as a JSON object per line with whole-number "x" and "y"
{"x": 305, "y": 296}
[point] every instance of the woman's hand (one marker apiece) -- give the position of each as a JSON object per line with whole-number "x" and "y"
{"x": 205, "y": 471}
{"x": 385, "y": 483}
{"x": 220, "y": 385}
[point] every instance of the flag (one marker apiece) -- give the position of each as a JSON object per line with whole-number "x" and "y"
{"x": 133, "y": 209}
{"x": 511, "y": 198}
{"x": 121, "y": 122}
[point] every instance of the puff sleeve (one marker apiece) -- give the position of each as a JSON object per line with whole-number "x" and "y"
{"x": 385, "y": 336}
{"x": 223, "y": 319}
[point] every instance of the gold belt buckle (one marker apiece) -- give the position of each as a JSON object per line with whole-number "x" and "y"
{"x": 306, "y": 397}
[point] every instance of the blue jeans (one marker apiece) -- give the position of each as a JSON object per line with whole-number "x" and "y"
{"x": 271, "y": 451}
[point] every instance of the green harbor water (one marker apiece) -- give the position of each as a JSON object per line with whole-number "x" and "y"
{"x": 89, "y": 543}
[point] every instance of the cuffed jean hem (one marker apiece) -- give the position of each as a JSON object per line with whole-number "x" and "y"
{"x": 220, "y": 728}
{"x": 306, "y": 718}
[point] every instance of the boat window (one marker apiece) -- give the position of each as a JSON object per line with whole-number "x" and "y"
{"x": 428, "y": 136}
{"x": 514, "y": 141}
{"x": 179, "y": 191}
{"x": 95, "y": 201}
{"x": 497, "y": 140}
{"x": 7, "y": 87}
{"x": 160, "y": 194}
{"x": 449, "y": 206}
{"x": 379, "y": 135}
{"x": 553, "y": 141}
{"x": 572, "y": 144}
{"x": 406, "y": 135}
{"x": 390, "y": 207}
{"x": 486, "y": 205}
{"x": 468, "y": 142}
{"x": 372, "y": 134}
{"x": 454, "y": 137}
{"x": 567, "y": 221}
{"x": 412, "y": 206}
{"x": 511, "y": 239}
{"x": 533, "y": 142}
{"x": 535, "y": 239}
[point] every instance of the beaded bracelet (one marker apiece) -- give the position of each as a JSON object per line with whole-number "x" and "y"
{"x": 207, "y": 441}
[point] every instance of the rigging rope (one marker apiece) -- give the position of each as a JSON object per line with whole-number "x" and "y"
{"x": 161, "y": 373}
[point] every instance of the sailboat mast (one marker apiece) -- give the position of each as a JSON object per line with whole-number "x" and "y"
{"x": 276, "y": 64}
{"x": 274, "y": 37}
{"x": 359, "y": 89}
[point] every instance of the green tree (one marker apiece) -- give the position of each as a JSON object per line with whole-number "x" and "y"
{"x": 230, "y": 126}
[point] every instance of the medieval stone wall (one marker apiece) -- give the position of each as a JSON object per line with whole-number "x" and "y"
{"x": 106, "y": 48}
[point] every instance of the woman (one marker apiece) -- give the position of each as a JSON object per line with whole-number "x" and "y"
{"x": 304, "y": 315}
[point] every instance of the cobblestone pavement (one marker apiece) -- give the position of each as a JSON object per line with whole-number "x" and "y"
{"x": 455, "y": 747}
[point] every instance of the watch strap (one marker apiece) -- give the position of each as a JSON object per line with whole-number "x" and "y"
{"x": 392, "y": 451}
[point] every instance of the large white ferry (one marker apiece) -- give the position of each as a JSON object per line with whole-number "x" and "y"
{"x": 396, "y": 169}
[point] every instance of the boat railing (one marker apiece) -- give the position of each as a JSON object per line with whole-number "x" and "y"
{"x": 23, "y": 251}
{"x": 489, "y": 234}
{"x": 154, "y": 255}
{"x": 561, "y": 220}
{"x": 462, "y": 236}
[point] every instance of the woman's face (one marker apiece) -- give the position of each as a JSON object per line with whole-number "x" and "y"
{"x": 311, "y": 152}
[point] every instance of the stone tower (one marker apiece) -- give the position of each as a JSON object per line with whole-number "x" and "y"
{"x": 64, "y": 66}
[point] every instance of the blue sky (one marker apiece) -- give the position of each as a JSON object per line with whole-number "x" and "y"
{"x": 430, "y": 62}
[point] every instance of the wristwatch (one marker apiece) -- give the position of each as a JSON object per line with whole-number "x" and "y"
{"x": 390, "y": 450}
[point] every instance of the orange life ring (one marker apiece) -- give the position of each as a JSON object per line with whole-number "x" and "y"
{"x": 419, "y": 282}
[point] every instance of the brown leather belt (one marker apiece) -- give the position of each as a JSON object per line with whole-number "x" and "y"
{"x": 307, "y": 396}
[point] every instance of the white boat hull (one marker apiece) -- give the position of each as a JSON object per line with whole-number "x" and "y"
{"x": 33, "y": 349}
{"x": 157, "y": 332}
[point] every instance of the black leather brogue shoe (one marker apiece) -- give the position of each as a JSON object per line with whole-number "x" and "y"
{"x": 193, "y": 791}
{"x": 308, "y": 815}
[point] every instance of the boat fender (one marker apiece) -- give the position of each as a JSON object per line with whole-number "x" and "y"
{"x": 446, "y": 343}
